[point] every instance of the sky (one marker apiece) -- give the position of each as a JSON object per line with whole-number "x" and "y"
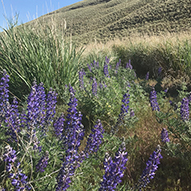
{"x": 29, "y": 9}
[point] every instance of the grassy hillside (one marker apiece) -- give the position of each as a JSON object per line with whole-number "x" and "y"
{"x": 145, "y": 72}
{"x": 103, "y": 20}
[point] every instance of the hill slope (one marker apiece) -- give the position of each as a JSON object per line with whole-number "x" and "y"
{"x": 103, "y": 20}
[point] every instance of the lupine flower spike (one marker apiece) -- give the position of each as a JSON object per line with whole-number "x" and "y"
{"x": 18, "y": 179}
{"x": 59, "y": 125}
{"x": 13, "y": 121}
{"x": 164, "y": 136}
{"x": 128, "y": 65}
{"x": 114, "y": 169}
{"x": 51, "y": 106}
{"x": 117, "y": 66}
{"x": 159, "y": 71}
{"x": 147, "y": 76}
{"x": 73, "y": 134}
{"x": 132, "y": 113}
{"x": 43, "y": 162}
{"x": 105, "y": 68}
{"x": 94, "y": 139}
{"x": 4, "y": 95}
{"x": 89, "y": 66}
{"x": 151, "y": 167}
{"x": 153, "y": 100}
{"x": 184, "y": 109}
{"x": 124, "y": 110}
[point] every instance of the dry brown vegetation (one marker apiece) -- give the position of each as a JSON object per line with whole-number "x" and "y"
{"x": 105, "y": 20}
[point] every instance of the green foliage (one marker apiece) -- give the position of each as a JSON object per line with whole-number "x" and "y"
{"x": 27, "y": 55}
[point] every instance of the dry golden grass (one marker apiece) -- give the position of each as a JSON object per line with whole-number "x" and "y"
{"x": 152, "y": 41}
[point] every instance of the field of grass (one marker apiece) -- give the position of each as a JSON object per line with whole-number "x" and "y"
{"x": 105, "y": 20}
{"x": 128, "y": 98}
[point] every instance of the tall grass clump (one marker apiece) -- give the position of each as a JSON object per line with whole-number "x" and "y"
{"x": 29, "y": 54}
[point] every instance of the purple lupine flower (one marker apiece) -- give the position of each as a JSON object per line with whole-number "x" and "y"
{"x": 43, "y": 162}
{"x": 164, "y": 136}
{"x": 107, "y": 60}
{"x": 166, "y": 90}
{"x": 94, "y": 139}
{"x": 184, "y": 109}
{"x": 153, "y": 100}
{"x": 128, "y": 65}
{"x": 128, "y": 84}
{"x": 13, "y": 121}
{"x": 100, "y": 85}
{"x": 124, "y": 110}
{"x": 159, "y": 71}
{"x": 35, "y": 141}
{"x": 18, "y": 179}
{"x": 4, "y": 95}
{"x": 38, "y": 115}
{"x": 73, "y": 134}
{"x": 59, "y": 125}
{"x": 73, "y": 123}
{"x": 71, "y": 89}
{"x": 81, "y": 80}
{"x": 125, "y": 100}
{"x": 32, "y": 108}
{"x": 9, "y": 155}
{"x": 89, "y": 67}
{"x": 147, "y": 76}
{"x": 135, "y": 74}
{"x": 36, "y": 106}
{"x": 151, "y": 167}
{"x": 132, "y": 113}
{"x": 94, "y": 87}
{"x": 71, "y": 162}
{"x": 105, "y": 85}
{"x": 51, "y": 106}
{"x": 41, "y": 105}
{"x": 95, "y": 64}
{"x": 114, "y": 169}
{"x": 117, "y": 66}
{"x": 105, "y": 68}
